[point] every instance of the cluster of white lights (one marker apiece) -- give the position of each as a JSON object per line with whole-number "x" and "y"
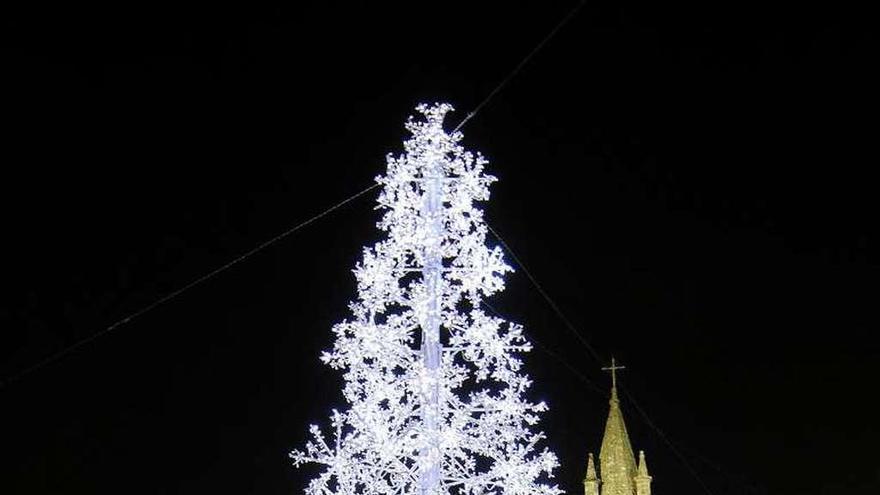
{"x": 434, "y": 386}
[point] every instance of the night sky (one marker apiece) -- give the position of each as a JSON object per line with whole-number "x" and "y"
{"x": 694, "y": 185}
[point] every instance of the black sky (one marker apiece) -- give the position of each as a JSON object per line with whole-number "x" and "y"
{"x": 694, "y": 184}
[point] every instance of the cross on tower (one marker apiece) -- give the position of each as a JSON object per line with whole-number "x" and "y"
{"x": 613, "y": 369}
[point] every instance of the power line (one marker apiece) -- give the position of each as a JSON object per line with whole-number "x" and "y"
{"x": 630, "y": 398}
{"x": 171, "y": 295}
{"x": 662, "y": 435}
{"x": 555, "y": 307}
{"x": 595, "y": 355}
{"x": 568, "y": 324}
{"x": 687, "y": 465}
{"x": 676, "y": 449}
{"x": 522, "y": 63}
{"x": 67, "y": 350}
{"x": 553, "y": 355}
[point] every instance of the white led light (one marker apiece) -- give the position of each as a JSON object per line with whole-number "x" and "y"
{"x": 434, "y": 386}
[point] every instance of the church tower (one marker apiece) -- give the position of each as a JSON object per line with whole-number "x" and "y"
{"x": 617, "y": 464}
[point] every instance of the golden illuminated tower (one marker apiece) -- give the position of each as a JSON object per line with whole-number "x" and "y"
{"x": 616, "y": 461}
{"x": 617, "y": 464}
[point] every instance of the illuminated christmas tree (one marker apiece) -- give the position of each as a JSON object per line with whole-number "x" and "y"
{"x": 434, "y": 386}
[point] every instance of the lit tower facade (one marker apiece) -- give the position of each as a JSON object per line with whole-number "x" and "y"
{"x": 620, "y": 474}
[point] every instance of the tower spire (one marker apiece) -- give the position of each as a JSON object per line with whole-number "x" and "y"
{"x": 643, "y": 466}
{"x": 591, "y": 481}
{"x": 643, "y": 479}
{"x": 617, "y": 462}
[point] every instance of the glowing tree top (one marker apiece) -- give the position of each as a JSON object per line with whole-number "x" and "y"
{"x": 434, "y": 387}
